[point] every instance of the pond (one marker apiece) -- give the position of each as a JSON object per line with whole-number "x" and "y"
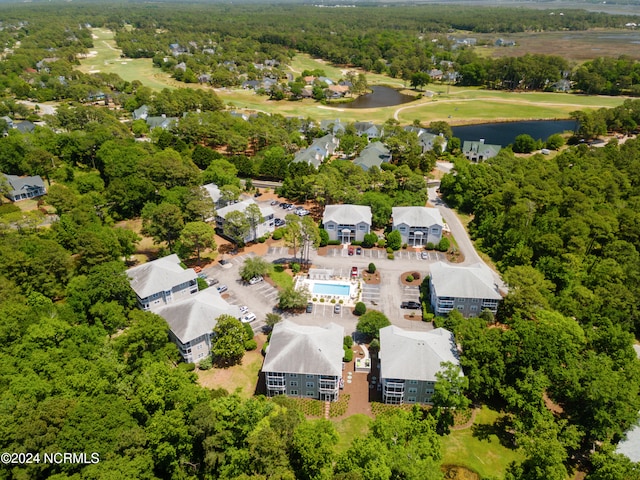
{"x": 505, "y": 133}
{"x": 379, "y": 97}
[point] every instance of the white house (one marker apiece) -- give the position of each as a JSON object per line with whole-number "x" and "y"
{"x": 161, "y": 282}
{"x": 469, "y": 290}
{"x": 304, "y": 361}
{"x": 23, "y": 188}
{"x": 347, "y": 223}
{"x": 192, "y": 319}
{"x": 418, "y": 225}
{"x": 266, "y": 226}
{"x": 410, "y": 360}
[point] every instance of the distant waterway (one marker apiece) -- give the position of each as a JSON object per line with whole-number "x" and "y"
{"x": 505, "y": 133}
{"x": 379, "y": 97}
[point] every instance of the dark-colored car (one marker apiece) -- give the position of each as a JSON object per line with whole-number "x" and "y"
{"x": 411, "y": 305}
{"x": 358, "y": 251}
{"x": 309, "y": 307}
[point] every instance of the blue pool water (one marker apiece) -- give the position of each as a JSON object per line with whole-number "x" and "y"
{"x": 330, "y": 289}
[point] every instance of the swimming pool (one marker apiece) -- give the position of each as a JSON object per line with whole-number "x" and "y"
{"x": 331, "y": 289}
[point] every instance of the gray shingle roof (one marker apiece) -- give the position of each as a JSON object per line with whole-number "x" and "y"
{"x": 347, "y": 214}
{"x": 475, "y": 281}
{"x": 159, "y": 276}
{"x": 305, "y": 349}
{"x": 196, "y": 315}
{"x": 23, "y": 184}
{"x": 373, "y": 154}
{"x": 416, "y": 216}
{"x": 413, "y": 355}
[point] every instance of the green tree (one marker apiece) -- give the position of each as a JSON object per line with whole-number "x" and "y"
{"x": 524, "y": 143}
{"x": 254, "y": 267}
{"x": 227, "y": 343}
{"x": 254, "y": 218}
{"x": 198, "y": 236}
{"x": 162, "y": 222}
{"x": 236, "y": 227}
{"x": 291, "y": 298}
{"x": 555, "y": 142}
{"x": 419, "y": 79}
{"x": 272, "y": 319}
{"x": 394, "y": 240}
{"x": 313, "y": 449}
{"x": 449, "y": 395}
{"x": 441, "y": 127}
{"x": 371, "y": 322}
{"x": 369, "y": 240}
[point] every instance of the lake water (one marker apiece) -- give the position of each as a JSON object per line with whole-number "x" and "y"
{"x": 379, "y": 97}
{"x": 505, "y": 133}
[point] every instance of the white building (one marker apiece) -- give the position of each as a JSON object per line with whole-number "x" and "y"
{"x": 266, "y": 226}
{"x": 161, "y": 282}
{"x": 418, "y": 225}
{"x": 304, "y": 361}
{"x": 409, "y": 362}
{"x": 347, "y": 223}
{"x": 470, "y": 290}
{"x": 191, "y": 322}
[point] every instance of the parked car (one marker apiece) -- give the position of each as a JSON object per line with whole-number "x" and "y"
{"x": 358, "y": 251}
{"x": 203, "y": 276}
{"x": 350, "y": 251}
{"x": 212, "y": 281}
{"x": 255, "y": 280}
{"x": 257, "y": 194}
{"x": 278, "y": 222}
{"x": 354, "y": 271}
{"x": 249, "y": 317}
{"x": 309, "y": 307}
{"x": 222, "y": 288}
{"x": 244, "y": 309}
{"x": 275, "y": 202}
{"x": 424, "y": 255}
{"x": 411, "y": 305}
{"x": 337, "y": 308}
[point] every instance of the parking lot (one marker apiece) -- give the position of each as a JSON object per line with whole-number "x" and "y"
{"x": 380, "y": 253}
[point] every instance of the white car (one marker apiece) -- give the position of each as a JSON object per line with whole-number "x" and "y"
{"x": 424, "y": 255}
{"x": 255, "y": 280}
{"x": 249, "y": 317}
{"x": 244, "y": 309}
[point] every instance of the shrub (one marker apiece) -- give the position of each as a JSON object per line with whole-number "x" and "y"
{"x": 443, "y": 245}
{"x": 202, "y": 283}
{"x": 371, "y": 268}
{"x": 322, "y": 300}
{"x": 263, "y": 239}
{"x": 409, "y": 278}
{"x": 8, "y": 208}
{"x": 324, "y": 237}
{"x": 250, "y": 345}
{"x": 394, "y": 240}
{"x": 369, "y": 240}
{"x": 390, "y": 256}
{"x": 415, "y": 275}
{"x": 347, "y": 342}
{"x": 382, "y": 243}
{"x": 429, "y": 246}
{"x": 295, "y": 267}
{"x": 333, "y": 242}
{"x": 404, "y": 246}
{"x": 205, "y": 364}
{"x": 278, "y": 233}
{"x": 264, "y": 348}
{"x": 360, "y": 309}
{"x": 374, "y": 345}
{"x": 389, "y": 250}
{"x": 554, "y": 142}
{"x": 248, "y": 331}
{"x": 333, "y": 300}
{"x": 187, "y": 367}
{"x": 356, "y": 243}
{"x": 348, "y": 355}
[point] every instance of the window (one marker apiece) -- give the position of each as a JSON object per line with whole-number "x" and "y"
{"x": 413, "y": 382}
{"x": 311, "y": 394}
{"x": 460, "y": 307}
{"x": 474, "y": 308}
{"x": 293, "y": 392}
{"x": 310, "y": 376}
{"x": 403, "y": 229}
{"x": 293, "y": 384}
{"x": 310, "y": 385}
{"x": 329, "y": 227}
{"x": 411, "y": 399}
{"x": 413, "y": 390}
{"x": 362, "y": 228}
{"x": 475, "y": 300}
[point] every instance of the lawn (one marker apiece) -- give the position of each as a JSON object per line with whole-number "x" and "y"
{"x": 349, "y": 428}
{"x": 239, "y": 378}
{"x": 281, "y": 277}
{"x": 479, "y": 448}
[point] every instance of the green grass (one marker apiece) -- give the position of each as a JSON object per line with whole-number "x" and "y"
{"x": 280, "y": 277}
{"x": 349, "y": 428}
{"x": 488, "y": 457}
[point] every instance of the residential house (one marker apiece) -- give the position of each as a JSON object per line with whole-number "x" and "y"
{"x": 418, "y": 225}
{"x": 479, "y": 151}
{"x": 338, "y": 91}
{"x": 9, "y": 124}
{"x": 410, "y": 360}
{"x": 319, "y": 150}
{"x": 332, "y": 126}
{"x": 214, "y": 192}
{"x": 428, "y": 141}
{"x": 374, "y": 154}
{"x": 369, "y": 129}
{"x": 161, "y": 282}
{"x": 304, "y": 361}
{"x": 470, "y": 290}
{"x": 192, "y": 319}
{"x": 25, "y": 126}
{"x": 435, "y": 74}
{"x": 162, "y": 122}
{"x": 266, "y": 226}
{"x": 347, "y": 223}
{"x": 417, "y": 130}
{"x": 23, "y": 188}
{"x": 141, "y": 113}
